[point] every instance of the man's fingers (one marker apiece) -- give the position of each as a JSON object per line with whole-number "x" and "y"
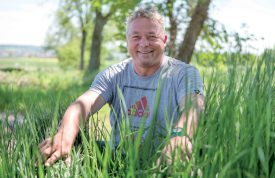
{"x": 47, "y": 141}
{"x": 47, "y": 151}
{"x": 165, "y": 155}
{"x": 67, "y": 160}
{"x": 189, "y": 149}
{"x": 54, "y": 157}
{"x": 45, "y": 148}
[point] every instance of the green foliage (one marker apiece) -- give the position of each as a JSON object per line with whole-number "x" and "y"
{"x": 68, "y": 54}
{"x": 221, "y": 59}
{"x": 236, "y": 128}
{"x": 28, "y": 64}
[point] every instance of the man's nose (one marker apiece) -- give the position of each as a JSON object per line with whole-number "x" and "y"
{"x": 144, "y": 42}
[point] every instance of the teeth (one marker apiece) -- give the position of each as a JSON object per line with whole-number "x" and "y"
{"x": 145, "y": 52}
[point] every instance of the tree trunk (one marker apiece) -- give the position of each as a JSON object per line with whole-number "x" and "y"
{"x": 82, "y": 49}
{"x": 173, "y": 29}
{"x": 193, "y": 31}
{"x": 100, "y": 21}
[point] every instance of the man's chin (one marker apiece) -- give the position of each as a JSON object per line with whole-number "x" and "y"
{"x": 145, "y": 60}
{"x": 145, "y": 55}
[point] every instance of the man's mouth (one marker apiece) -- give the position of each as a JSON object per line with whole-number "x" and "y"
{"x": 145, "y": 52}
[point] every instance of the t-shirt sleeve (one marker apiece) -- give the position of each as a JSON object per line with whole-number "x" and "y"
{"x": 102, "y": 85}
{"x": 189, "y": 82}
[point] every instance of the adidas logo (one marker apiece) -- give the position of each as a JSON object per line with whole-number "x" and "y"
{"x": 139, "y": 109}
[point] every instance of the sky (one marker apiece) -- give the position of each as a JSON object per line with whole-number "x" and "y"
{"x": 26, "y": 22}
{"x": 258, "y": 15}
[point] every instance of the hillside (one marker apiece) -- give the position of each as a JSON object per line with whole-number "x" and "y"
{"x": 24, "y": 51}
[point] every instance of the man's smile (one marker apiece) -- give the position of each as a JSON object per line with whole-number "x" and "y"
{"x": 145, "y": 52}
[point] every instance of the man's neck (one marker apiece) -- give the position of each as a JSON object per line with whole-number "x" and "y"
{"x": 147, "y": 70}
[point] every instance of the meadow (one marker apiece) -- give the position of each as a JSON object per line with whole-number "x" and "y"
{"x": 235, "y": 137}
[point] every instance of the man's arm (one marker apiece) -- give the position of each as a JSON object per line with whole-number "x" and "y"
{"x": 61, "y": 144}
{"x": 191, "y": 107}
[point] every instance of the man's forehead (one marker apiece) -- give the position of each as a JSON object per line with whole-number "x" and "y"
{"x": 143, "y": 20}
{"x": 142, "y": 25}
{"x": 138, "y": 29}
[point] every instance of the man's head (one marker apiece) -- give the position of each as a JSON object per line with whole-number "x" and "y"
{"x": 146, "y": 38}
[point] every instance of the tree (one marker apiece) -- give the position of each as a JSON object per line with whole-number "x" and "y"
{"x": 178, "y": 12}
{"x": 100, "y": 22}
{"x": 104, "y": 10}
{"x": 73, "y": 19}
{"x": 193, "y": 31}
{"x": 82, "y": 11}
{"x": 173, "y": 27}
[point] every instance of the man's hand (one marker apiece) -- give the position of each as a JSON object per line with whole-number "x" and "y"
{"x": 53, "y": 149}
{"x": 179, "y": 148}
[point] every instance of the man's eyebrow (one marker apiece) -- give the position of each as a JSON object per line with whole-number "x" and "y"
{"x": 134, "y": 33}
{"x": 151, "y": 32}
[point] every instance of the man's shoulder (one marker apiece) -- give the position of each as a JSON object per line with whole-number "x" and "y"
{"x": 119, "y": 67}
{"x": 177, "y": 65}
{"x": 122, "y": 64}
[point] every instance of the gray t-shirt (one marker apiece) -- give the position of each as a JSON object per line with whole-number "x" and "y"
{"x": 177, "y": 80}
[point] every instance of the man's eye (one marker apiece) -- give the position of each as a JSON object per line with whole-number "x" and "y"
{"x": 153, "y": 37}
{"x": 135, "y": 37}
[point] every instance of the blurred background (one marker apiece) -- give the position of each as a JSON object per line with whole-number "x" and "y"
{"x": 51, "y": 50}
{"x": 63, "y": 31}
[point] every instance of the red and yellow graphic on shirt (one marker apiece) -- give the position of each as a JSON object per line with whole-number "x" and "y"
{"x": 139, "y": 109}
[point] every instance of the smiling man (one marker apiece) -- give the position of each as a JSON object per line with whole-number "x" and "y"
{"x": 148, "y": 76}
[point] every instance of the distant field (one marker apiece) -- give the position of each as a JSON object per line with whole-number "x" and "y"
{"x": 22, "y": 77}
{"x": 28, "y": 63}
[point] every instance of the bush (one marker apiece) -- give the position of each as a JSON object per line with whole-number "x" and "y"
{"x": 69, "y": 54}
{"x": 221, "y": 59}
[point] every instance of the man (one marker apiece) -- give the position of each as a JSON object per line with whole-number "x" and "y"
{"x": 148, "y": 76}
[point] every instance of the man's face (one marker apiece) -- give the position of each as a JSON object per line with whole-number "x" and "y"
{"x": 146, "y": 42}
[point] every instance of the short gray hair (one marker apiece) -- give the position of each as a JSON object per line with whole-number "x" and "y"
{"x": 148, "y": 12}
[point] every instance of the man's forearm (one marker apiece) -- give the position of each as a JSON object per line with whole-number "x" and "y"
{"x": 73, "y": 116}
{"x": 88, "y": 103}
{"x": 192, "y": 122}
{"x": 189, "y": 125}
{"x": 189, "y": 120}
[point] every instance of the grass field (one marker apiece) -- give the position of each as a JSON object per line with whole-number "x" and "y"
{"x": 29, "y": 63}
{"x": 235, "y": 138}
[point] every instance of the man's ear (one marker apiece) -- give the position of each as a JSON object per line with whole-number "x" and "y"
{"x": 165, "y": 38}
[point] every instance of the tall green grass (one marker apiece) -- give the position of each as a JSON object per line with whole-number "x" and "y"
{"x": 235, "y": 137}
